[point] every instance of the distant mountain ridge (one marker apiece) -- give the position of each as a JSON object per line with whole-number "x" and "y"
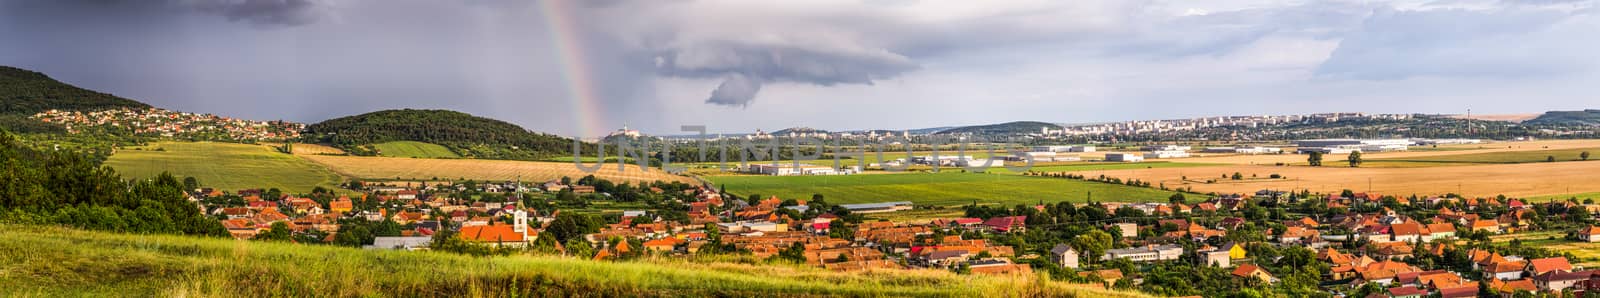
{"x": 465, "y": 134}
{"x": 1590, "y": 117}
{"x": 26, "y": 92}
{"x": 1018, "y": 127}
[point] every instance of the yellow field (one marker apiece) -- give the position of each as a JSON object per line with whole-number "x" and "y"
{"x": 450, "y": 169}
{"x": 1518, "y": 180}
{"x": 1333, "y": 159}
{"x": 310, "y": 149}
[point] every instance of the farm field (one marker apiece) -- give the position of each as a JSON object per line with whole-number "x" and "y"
{"x": 1516, "y": 180}
{"x": 414, "y": 149}
{"x": 947, "y": 189}
{"x": 225, "y": 166}
{"x": 478, "y": 169}
{"x": 1554, "y": 197}
{"x": 1101, "y": 166}
{"x": 1271, "y": 159}
{"x": 1588, "y": 253}
{"x": 1467, "y": 158}
{"x": 302, "y": 148}
{"x": 38, "y": 261}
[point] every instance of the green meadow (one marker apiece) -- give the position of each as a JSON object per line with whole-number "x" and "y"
{"x": 40, "y": 261}
{"x": 224, "y": 166}
{"x": 1106, "y": 166}
{"x": 1511, "y": 157}
{"x": 946, "y": 188}
{"x": 414, "y": 150}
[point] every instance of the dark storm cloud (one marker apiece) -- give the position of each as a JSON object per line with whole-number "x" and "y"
{"x": 745, "y": 66}
{"x": 263, "y": 12}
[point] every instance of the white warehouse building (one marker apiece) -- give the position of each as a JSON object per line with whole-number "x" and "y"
{"x": 1340, "y": 146}
{"x": 1124, "y": 157}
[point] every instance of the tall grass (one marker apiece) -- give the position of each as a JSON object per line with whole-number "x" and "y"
{"x": 56, "y": 262}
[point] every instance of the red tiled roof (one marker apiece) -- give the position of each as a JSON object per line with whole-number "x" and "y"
{"x": 1540, "y": 266}
{"x": 494, "y": 233}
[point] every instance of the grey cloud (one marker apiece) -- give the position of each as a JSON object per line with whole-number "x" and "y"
{"x": 736, "y": 90}
{"x": 263, "y": 12}
{"x": 1508, "y": 43}
{"x": 747, "y": 66}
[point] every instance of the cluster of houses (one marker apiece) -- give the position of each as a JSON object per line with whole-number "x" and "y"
{"x": 159, "y": 122}
{"x": 1385, "y": 240}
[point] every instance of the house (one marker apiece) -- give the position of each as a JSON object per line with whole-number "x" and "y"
{"x": 1409, "y": 231}
{"x": 1216, "y": 258}
{"x": 582, "y": 189}
{"x": 1545, "y": 265}
{"x": 341, "y": 205}
{"x": 1464, "y": 291}
{"x": 1407, "y": 292}
{"x": 517, "y": 234}
{"x": 1590, "y": 234}
{"x": 1439, "y": 230}
{"x": 663, "y": 244}
{"x": 1129, "y": 230}
{"x": 1253, "y": 271}
{"x": 1508, "y": 289}
{"x": 1556, "y": 281}
{"x": 1007, "y": 224}
{"x": 1065, "y": 256}
{"x": 1486, "y": 225}
{"x": 1145, "y": 253}
{"x": 1296, "y": 234}
{"x": 1508, "y": 270}
{"x": 406, "y": 194}
{"x": 1235, "y": 251}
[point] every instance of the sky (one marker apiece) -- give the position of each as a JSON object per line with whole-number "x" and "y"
{"x": 583, "y": 68}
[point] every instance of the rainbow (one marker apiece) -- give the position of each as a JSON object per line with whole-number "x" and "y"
{"x": 574, "y": 71}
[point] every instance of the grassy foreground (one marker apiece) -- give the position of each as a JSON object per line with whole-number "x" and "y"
{"x": 947, "y": 188}
{"x": 225, "y": 166}
{"x": 56, "y": 262}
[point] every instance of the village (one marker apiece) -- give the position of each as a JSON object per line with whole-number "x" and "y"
{"x": 1352, "y": 243}
{"x": 171, "y": 124}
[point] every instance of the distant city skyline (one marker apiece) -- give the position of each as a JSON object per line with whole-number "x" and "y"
{"x": 587, "y": 67}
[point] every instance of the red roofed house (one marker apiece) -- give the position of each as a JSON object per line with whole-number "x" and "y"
{"x": 1590, "y": 234}
{"x": 1253, "y": 271}
{"x": 1541, "y": 266}
{"x": 1007, "y": 224}
{"x": 515, "y": 235}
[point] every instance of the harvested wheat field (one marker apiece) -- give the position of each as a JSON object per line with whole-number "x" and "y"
{"x": 479, "y": 169}
{"x": 1517, "y": 180}
{"x": 1271, "y": 159}
{"x": 311, "y": 149}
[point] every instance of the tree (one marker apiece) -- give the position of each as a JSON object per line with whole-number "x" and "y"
{"x": 1092, "y": 244}
{"x": 1315, "y": 160}
{"x": 1550, "y": 158}
{"x": 278, "y": 232}
{"x": 1177, "y": 198}
{"x": 1237, "y": 176}
{"x": 1355, "y": 159}
{"x": 1584, "y": 155}
{"x": 191, "y": 183}
{"x": 569, "y": 225}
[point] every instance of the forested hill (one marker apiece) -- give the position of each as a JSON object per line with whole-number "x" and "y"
{"x": 1590, "y": 117}
{"x": 27, "y": 92}
{"x": 465, "y": 134}
{"x": 1019, "y": 127}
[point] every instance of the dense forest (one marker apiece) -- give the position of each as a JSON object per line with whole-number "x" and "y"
{"x": 465, "y": 134}
{"x": 69, "y": 188}
{"x": 27, "y": 92}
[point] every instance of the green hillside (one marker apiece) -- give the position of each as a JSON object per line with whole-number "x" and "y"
{"x": 414, "y": 149}
{"x": 1590, "y": 117}
{"x": 1008, "y": 128}
{"x": 464, "y": 134}
{"x": 26, "y": 92}
{"x": 57, "y": 262}
{"x": 224, "y": 166}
